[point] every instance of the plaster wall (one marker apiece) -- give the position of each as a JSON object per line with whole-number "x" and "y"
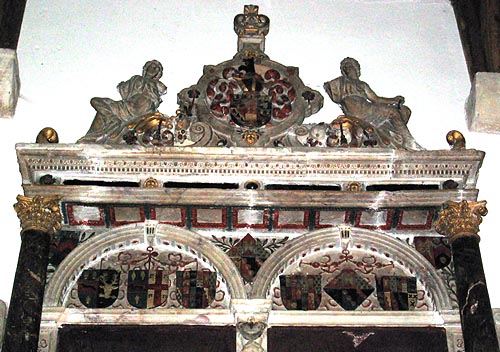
{"x": 70, "y": 52}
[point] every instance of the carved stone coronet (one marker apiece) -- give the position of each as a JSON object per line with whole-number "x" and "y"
{"x": 39, "y": 213}
{"x": 461, "y": 219}
{"x": 251, "y": 23}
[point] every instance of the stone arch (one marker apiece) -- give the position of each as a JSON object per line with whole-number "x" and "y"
{"x": 93, "y": 249}
{"x": 367, "y": 240}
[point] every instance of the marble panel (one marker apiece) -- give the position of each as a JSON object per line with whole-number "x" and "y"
{"x": 250, "y": 218}
{"x": 327, "y": 218}
{"x": 209, "y": 217}
{"x": 85, "y": 215}
{"x": 295, "y": 219}
{"x": 168, "y": 215}
{"x": 126, "y": 215}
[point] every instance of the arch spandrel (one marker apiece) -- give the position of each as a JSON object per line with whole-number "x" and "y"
{"x": 124, "y": 249}
{"x": 370, "y": 257}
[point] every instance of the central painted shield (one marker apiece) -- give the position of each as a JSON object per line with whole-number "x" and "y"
{"x": 147, "y": 288}
{"x": 349, "y": 289}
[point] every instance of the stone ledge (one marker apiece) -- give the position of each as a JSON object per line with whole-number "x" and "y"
{"x": 10, "y": 83}
{"x": 483, "y": 105}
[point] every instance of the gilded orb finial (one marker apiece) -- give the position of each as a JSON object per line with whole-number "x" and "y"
{"x": 459, "y": 219}
{"x": 39, "y": 213}
{"x": 456, "y": 140}
{"x": 47, "y": 135}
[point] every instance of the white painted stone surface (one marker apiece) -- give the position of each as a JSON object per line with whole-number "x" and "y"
{"x": 9, "y": 82}
{"x": 483, "y": 105}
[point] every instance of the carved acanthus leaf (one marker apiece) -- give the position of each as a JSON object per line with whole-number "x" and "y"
{"x": 458, "y": 219}
{"x": 39, "y": 213}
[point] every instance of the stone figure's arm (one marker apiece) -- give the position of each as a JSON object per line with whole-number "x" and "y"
{"x": 381, "y": 100}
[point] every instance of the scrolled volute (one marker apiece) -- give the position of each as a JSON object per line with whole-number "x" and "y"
{"x": 39, "y": 213}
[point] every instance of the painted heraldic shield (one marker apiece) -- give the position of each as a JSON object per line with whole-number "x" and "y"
{"x": 98, "y": 288}
{"x": 196, "y": 289}
{"x": 300, "y": 292}
{"x": 147, "y": 288}
{"x": 397, "y": 292}
{"x": 435, "y": 249}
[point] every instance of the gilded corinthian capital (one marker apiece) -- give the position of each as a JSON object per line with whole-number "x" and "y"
{"x": 39, "y": 213}
{"x": 458, "y": 219}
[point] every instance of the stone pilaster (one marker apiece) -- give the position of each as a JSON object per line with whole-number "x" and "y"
{"x": 459, "y": 221}
{"x": 40, "y": 219}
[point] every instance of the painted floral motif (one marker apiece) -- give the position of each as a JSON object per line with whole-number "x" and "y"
{"x": 367, "y": 265}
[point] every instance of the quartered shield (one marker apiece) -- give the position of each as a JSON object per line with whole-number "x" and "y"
{"x": 147, "y": 288}
{"x": 397, "y": 292}
{"x": 196, "y": 289}
{"x": 300, "y": 292}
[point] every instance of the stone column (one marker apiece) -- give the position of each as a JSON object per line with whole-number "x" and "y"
{"x": 40, "y": 218}
{"x": 459, "y": 221}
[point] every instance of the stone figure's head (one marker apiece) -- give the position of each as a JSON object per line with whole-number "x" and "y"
{"x": 350, "y": 68}
{"x": 152, "y": 69}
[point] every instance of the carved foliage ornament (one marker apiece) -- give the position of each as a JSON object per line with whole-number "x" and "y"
{"x": 38, "y": 213}
{"x": 459, "y": 219}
